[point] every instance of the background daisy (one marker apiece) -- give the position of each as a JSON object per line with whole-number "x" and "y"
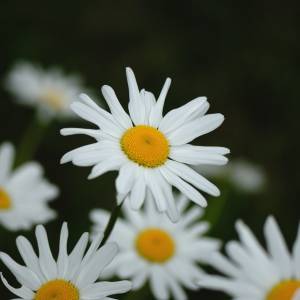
{"x": 24, "y": 193}
{"x": 243, "y": 175}
{"x": 49, "y": 91}
{"x": 154, "y": 249}
{"x": 71, "y": 277}
{"x": 253, "y": 273}
{"x": 150, "y": 151}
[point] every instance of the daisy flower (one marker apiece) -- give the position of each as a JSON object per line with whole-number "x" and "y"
{"x": 71, "y": 277}
{"x": 24, "y": 193}
{"x": 155, "y": 249}
{"x": 151, "y": 152}
{"x": 51, "y": 92}
{"x": 251, "y": 272}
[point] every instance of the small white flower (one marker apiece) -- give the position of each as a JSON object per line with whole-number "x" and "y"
{"x": 253, "y": 273}
{"x": 72, "y": 277}
{"x": 243, "y": 174}
{"x": 51, "y": 92}
{"x": 24, "y": 193}
{"x": 150, "y": 151}
{"x": 155, "y": 249}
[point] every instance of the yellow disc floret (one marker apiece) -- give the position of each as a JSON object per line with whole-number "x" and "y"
{"x": 155, "y": 245}
{"x": 5, "y": 201}
{"x": 54, "y": 99}
{"x": 145, "y": 145}
{"x": 285, "y": 290}
{"x": 58, "y": 289}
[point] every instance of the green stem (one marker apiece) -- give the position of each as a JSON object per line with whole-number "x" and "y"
{"x": 31, "y": 140}
{"x": 214, "y": 212}
{"x": 111, "y": 223}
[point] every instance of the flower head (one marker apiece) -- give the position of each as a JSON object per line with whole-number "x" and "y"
{"x": 71, "y": 277}
{"x": 251, "y": 272}
{"x": 51, "y": 92}
{"x": 24, "y": 193}
{"x": 155, "y": 249}
{"x": 150, "y": 151}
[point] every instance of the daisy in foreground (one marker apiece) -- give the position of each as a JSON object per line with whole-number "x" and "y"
{"x": 256, "y": 274}
{"x": 72, "y": 277}
{"x": 51, "y": 92}
{"x": 24, "y": 193}
{"x": 155, "y": 249}
{"x": 150, "y": 151}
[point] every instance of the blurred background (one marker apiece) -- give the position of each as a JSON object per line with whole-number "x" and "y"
{"x": 242, "y": 55}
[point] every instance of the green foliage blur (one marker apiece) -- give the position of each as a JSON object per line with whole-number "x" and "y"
{"x": 242, "y": 55}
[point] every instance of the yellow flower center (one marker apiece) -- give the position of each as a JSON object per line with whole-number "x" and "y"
{"x": 57, "y": 290}
{"x": 155, "y": 245}
{"x": 285, "y": 290}
{"x": 145, "y": 145}
{"x": 54, "y": 99}
{"x": 5, "y": 201}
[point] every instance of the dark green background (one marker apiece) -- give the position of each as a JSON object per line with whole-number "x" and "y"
{"x": 242, "y": 55}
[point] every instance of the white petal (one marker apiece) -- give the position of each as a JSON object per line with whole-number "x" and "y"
{"x": 100, "y": 117}
{"x": 296, "y": 255}
{"x": 135, "y": 105}
{"x": 24, "y": 275}
{"x": 92, "y": 270}
{"x": 63, "y": 260}
{"x": 194, "y": 155}
{"x": 47, "y": 262}
{"x": 158, "y": 283}
{"x": 157, "y": 110}
{"x": 192, "y": 177}
{"x": 176, "y": 118}
{"x": 114, "y": 163}
{"x": 7, "y": 154}
{"x": 277, "y": 247}
{"x": 153, "y": 177}
{"x": 95, "y": 133}
{"x": 104, "y": 289}
{"x": 138, "y": 193}
{"x": 184, "y": 187}
{"x": 194, "y": 129}
{"x": 115, "y": 107}
{"x": 29, "y": 257}
{"x": 76, "y": 255}
{"x": 125, "y": 179}
{"x": 23, "y": 292}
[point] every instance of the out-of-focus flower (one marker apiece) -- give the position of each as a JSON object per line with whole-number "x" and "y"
{"x": 150, "y": 151}
{"x": 51, "y": 92}
{"x": 254, "y": 273}
{"x": 155, "y": 249}
{"x": 24, "y": 193}
{"x": 243, "y": 174}
{"x": 72, "y": 277}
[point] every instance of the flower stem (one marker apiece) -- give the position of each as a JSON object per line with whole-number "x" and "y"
{"x": 111, "y": 223}
{"x": 214, "y": 212}
{"x": 31, "y": 140}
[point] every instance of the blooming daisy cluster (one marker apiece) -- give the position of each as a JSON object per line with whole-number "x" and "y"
{"x": 161, "y": 238}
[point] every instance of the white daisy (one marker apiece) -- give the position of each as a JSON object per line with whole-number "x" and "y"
{"x": 51, "y": 92}
{"x": 155, "y": 249}
{"x": 149, "y": 150}
{"x": 252, "y": 273}
{"x": 72, "y": 277}
{"x": 243, "y": 174}
{"x": 24, "y": 193}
